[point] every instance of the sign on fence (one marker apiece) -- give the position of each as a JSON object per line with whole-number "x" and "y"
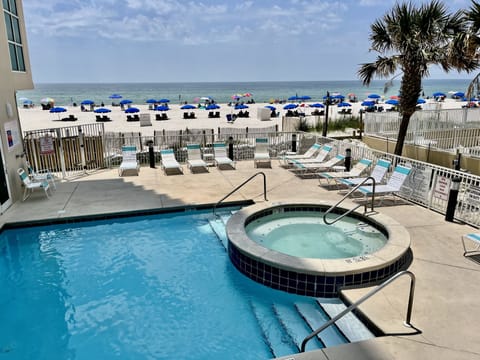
{"x": 46, "y": 145}
{"x": 417, "y": 185}
{"x": 442, "y": 187}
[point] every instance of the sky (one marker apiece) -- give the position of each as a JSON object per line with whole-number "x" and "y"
{"x": 205, "y": 40}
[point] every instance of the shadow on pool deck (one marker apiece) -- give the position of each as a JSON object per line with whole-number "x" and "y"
{"x": 445, "y": 309}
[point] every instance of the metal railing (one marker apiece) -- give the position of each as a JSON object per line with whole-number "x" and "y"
{"x": 355, "y": 208}
{"x": 242, "y": 184}
{"x": 364, "y": 298}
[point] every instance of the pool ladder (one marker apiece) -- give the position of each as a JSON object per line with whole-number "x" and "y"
{"x": 241, "y": 185}
{"x": 328, "y": 222}
{"x": 364, "y": 298}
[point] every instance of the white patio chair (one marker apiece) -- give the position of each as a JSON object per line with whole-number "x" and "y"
{"x": 220, "y": 156}
{"x": 129, "y": 160}
{"x": 30, "y": 185}
{"x": 261, "y": 153}
{"x": 169, "y": 162}
{"x": 195, "y": 157}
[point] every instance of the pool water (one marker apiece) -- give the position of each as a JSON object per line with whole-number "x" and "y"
{"x": 152, "y": 287}
{"x": 304, "y": 234}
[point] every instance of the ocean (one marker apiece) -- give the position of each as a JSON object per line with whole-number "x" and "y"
{"x": 65, "y": 94}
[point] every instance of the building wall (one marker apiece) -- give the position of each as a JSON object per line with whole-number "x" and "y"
{"x": 10, "y": 82}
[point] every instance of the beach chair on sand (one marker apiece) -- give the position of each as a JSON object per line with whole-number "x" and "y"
{"x": 378, "y": 174}
{"x": 195, "y": 158}
{"x": 220, "y": 156}
{"x": 30, "y": 185}
{"x": 261, "y": 153}
{"x": 355, "y": 171}
{"x": 392, "y": 187}
{"x": 129, "y": 160}
{"x": 169, "y": 162}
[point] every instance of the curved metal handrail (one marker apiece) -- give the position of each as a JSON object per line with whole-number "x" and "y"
{"x": 362, "y": 299}
{"x": 355, "y": 208}
{"x": 239, "y": 186}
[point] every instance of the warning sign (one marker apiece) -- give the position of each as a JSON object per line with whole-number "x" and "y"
{"x": 46, "y": 145}
{"x": 442, "y": 187}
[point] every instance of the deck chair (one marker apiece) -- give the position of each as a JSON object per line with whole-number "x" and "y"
{"x": 320, "y": 157}
{"x": 169, "y": 162}
{"x": 378, "y": 174}
{"x": 261, "y": 153}
{"x": 392, "y": 187}
{"x": 475, "y": 238}
{"x": 220, "y": 155}
{"x": 129, "y": 160}
{"x": 310, "y": 153}
{"x": 355, "y": 171}
{"x": 41, "y": 175}
{"x": 302, "y": 168}
{"x": 30, "y": 185}
{"x": 195, "y": 157}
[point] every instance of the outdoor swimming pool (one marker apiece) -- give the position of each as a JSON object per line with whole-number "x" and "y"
{"x": 146, "y": 287}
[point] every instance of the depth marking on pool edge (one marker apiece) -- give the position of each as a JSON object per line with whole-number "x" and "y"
{"x": 357, "y": 259}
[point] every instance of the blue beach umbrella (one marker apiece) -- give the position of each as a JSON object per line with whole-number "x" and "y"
{"x": 374, "y": 96}
{"x": 188, "y": 107}
{"x": 212, "y": 107}
{"x": 344, "y": 104}
{"x": 421, "y": 101}
{"x": 57, "y": 109}
{"x": 115, "y": 96}
{"x": 392, "y": 102}
{"x": 317, "y": 105}
{"x": 459, "y": 94}
{"x": 163, "y": 101}
{"x": 273, "y": 108}
{"x": 87, "y": 102}
{"x": 304, "y": 97}
{"x": 125, "y": 102}
{"x": 102, "y": 110}
{"x": 241, "y": 106}
{"x": 151, "y": 101}
{"x": 132, "y": 110}
{"x": 162, "y": 108}
{"x": 290, "y": 106}
{"x": 293, "y": 98}
{"x": 438, "y": 94}
{"x": 368, "y": 103}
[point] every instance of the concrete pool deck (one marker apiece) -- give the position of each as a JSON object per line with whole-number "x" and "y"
{"x": 446, "y": 306}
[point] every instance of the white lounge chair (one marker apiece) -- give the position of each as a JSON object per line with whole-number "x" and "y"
{"x": 392, "y": 187}
{"x": 312, "y": 150}
{"x": 129, "y": 160}
{"x": 195, "y": 157}
{"x": 355, "y": 171}
{"x": 169, "y": 162}
{"x": 261, "y": 153}
{"x": 320, "y": 157}
{"x": 220, "y": 155}
{"x": 475, "y": 238}
{"x": 378, "y": 174}
{"x": 32, "y": 185}
{"x": 302, "y": 168}
{"x": 41, "y": 175}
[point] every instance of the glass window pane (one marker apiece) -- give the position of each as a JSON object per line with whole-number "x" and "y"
{"x": 16, "y": 30}
{"x": 20, "y": 61}
{"x": 13, "y": 7}
{"x": 6, "y": 6}
{"x": 13, "y": 57}
{"x": 8, "y": 25}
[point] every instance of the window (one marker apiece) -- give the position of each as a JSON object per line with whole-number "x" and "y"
{"x": 12, "y": 22}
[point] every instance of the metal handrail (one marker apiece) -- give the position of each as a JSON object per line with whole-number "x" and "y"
{"x": 346, "y": 196}
{"x": 365, "y": 297}
{"x": 239, "y": 186}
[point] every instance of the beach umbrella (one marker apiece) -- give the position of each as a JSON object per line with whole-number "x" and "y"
{"x": 374, "y": 96}
{"x": 58, "y": 110}
{"x": 212, "y": 107}
{"x": 132, "y": 110}
{"x": 151, "y": 101}
{"x": 273, "y": 108}
{"x": 241, "y": 106}
{"x": 188, "y": 107}
{"x": 163, "y": 100}
{"x": 438, "y": 94}
{"x": 115, "y": 96}
{"x": 304, "y": 97}
{"x": 293, "y": 98}
{"x": 162, "y": 108}
{"x": 237, "y": 96}
{"x": 87, "y": 102}
{"x": 336, "y": 96}
{"x": 368, "y": 103}
{"x": 47, "y": 100}
{"x": 392, "y": 102}
{"x": 317, "y": 105}
{"x": 459, "y": 94}
{"x": 125, "y": 102}
{"x": 290, "y": 106}
{"x": 421, "y": 101}
{"x": 344, "y": 104}
{"x": 102, "y": 110}
{"x": 396, "y": 97}
{"x": 27, "y": 102}
{"x": 247, "y": 94}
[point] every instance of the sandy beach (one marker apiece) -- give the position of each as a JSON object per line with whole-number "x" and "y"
{"x": 35, "y": 118}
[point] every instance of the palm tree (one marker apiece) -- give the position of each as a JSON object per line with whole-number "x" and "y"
{"x": 473, "y": 17}
{"x": 409, "y": 39}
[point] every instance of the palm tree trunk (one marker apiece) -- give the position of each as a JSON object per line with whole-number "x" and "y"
{"x": 402, "y": 132}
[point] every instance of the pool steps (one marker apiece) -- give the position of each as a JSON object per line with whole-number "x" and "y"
{"x": 284, "y": 328}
